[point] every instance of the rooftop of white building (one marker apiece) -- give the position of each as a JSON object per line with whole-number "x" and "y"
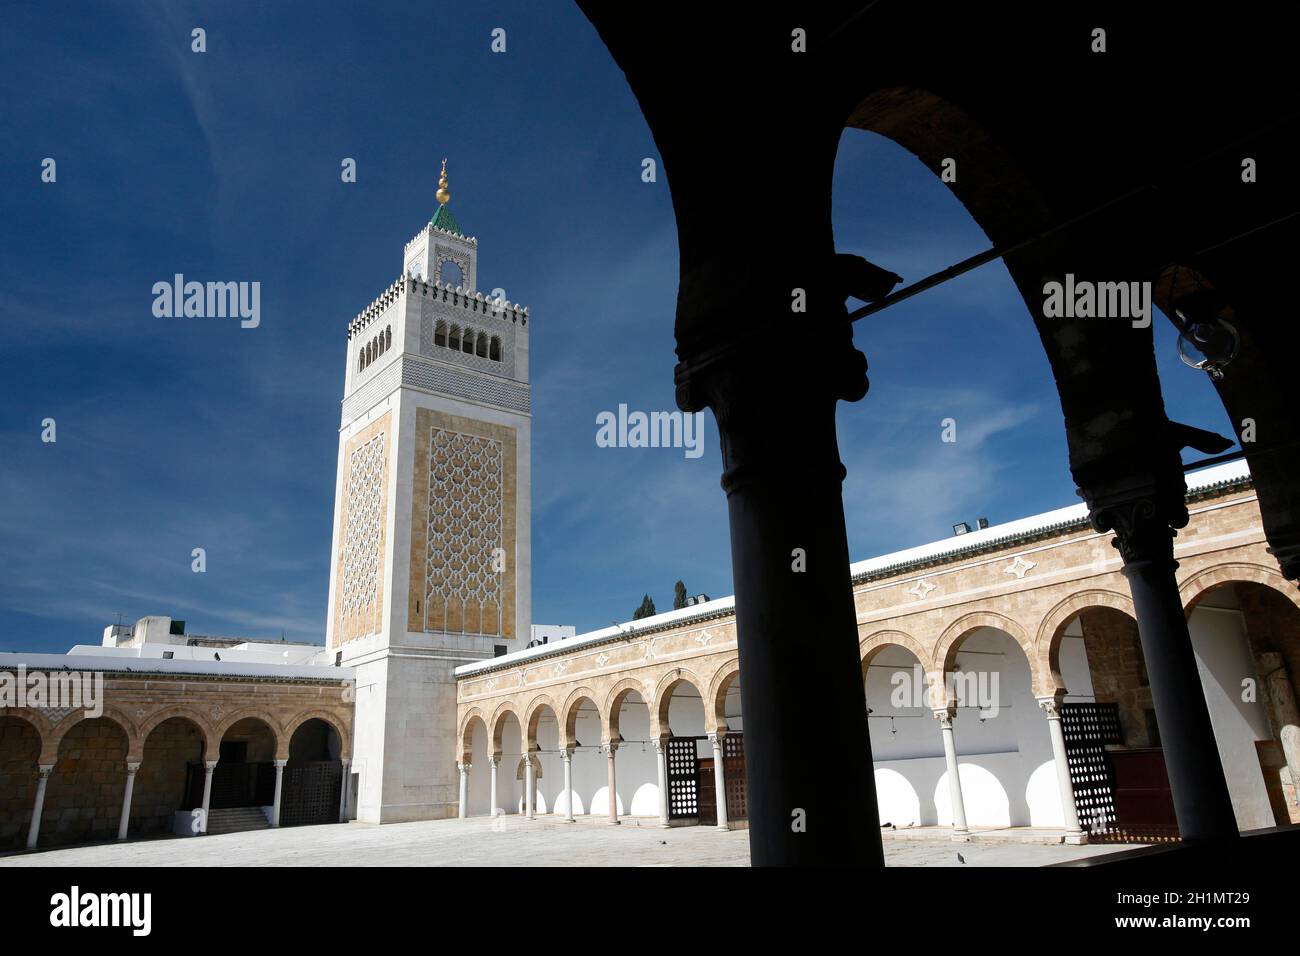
{"x": 153, "y": 646}
{"x": 86, "y": 658}
{"x": 992, "y": 537}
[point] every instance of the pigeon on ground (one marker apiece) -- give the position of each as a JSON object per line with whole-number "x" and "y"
{"x": 960, "y": 858}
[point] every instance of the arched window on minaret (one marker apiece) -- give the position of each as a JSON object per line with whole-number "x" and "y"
{"x": 449, "y": 272}
{"x": 361, "y": 360}
{"x": 467, "y": 343}
{"x": 440, "y": 334}
{"x": 494, "y": 349}
{"x": 481, "y": 346}
{"x": 388, "y": 338}
{"x": 454, "y": 342}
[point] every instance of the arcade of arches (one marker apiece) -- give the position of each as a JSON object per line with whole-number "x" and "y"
{"x": 169, "y": 745}
{"x": 1043, "y": 702}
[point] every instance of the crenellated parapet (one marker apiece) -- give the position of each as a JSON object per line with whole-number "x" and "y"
{"x": 430, "y": 229}
{"x": 473, "y": 302}
{"x": 377, "y": 307}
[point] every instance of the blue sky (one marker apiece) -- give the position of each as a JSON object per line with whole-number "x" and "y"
{"x": 176, "y": 434}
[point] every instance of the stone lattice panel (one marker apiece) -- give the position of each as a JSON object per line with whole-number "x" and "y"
{"x": 466, "y": 504}
{"x": 463, "y": 526}
{"x": 359, "y": 601}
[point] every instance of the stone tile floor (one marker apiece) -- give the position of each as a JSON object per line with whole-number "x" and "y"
{"x": 506, "y": 841}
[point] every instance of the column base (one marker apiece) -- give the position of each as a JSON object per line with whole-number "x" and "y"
{"x": 961, "y": 836}
{"x": 615, "y": 823}
{"x": 1076, "y": 839}
{"x": 723, "y": 827}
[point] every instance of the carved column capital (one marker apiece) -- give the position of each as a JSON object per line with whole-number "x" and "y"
{"x": 660, "y": 745}
{"x": 494, "y": 761}
{"x": 945, "y": 716}
{"x": 1143, "y": 512}
{"x": 209, "y": 765}
{"x": 45, "y": 770}
{"x": 773, "y": 404}
{"x": 609, "y": 748}
{"x": 464, "y": 768}
{"x": 1051, "y": 707}
{"x": 715, "y": 738}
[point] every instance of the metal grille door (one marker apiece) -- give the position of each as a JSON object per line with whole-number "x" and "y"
{"x": 683, "y": 785}
{"x": 1088, "y": 728}
{"x": 310, "y": 794}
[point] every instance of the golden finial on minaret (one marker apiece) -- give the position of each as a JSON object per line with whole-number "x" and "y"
{"x": 442, "y": 195}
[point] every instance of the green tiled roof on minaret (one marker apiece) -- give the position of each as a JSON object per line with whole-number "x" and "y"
{"x": 443, "y": 219}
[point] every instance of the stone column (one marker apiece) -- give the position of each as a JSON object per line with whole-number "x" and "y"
{"x": 530, "y": 785}
{"x": 1143, "y": 515}
{"x": 720, "y": 780}
{"x": 131, "y": 768}
{"x": 279, "y": 788}
{"x": 611, "y": 749}
{"x": 492, "y": 794}
{"x": 567, "y": 756}
{"x": 661, "y": 762}
{"x": 1074, "y": 833}
{"x": 208, "y": 767}
{"x": 960, "y": 832}
{"x": 774, "y": 409}
{"x": 343, "y": 790}
{"x": 34, "y": 829}
{"x": 463, "y": 808}
{"x": 1283, "y": 713}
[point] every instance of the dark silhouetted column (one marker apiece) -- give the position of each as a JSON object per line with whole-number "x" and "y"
{"x": 811, "y": 798}
{"x": 1143, "y": 518}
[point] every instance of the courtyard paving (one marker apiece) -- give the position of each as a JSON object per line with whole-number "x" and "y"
{"x": 506, "y": 841}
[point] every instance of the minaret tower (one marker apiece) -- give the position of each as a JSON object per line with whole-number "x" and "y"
{"x": 431, "y": 549}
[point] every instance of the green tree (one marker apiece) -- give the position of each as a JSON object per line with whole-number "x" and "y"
{"x": 679, "y": 595}
{"x": 647, "y": 609}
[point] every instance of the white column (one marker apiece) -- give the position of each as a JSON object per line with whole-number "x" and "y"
{"x": 661, "y": 761}
{"x": 960, "y": 831}
{"x": 343, "y": 791}
{"x": 1073, "y": 832}
{"x": 34, "y": 830}
{"x": 530, "y": 786}
{"x": 279, "y": 787}
{"x": 131, "y": 768}
{"x": 208, "y": 767}
{"x": 567, "y": 756}
{"x": 492, "y": 796}
{"x": 463, "y": 810}
{"x": 719, "y": 780}
{"x": 611, "y": 749}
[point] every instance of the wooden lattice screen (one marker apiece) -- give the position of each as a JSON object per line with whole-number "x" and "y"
{"x": 733, "y": 770}
{"x": 683, "y": 784}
